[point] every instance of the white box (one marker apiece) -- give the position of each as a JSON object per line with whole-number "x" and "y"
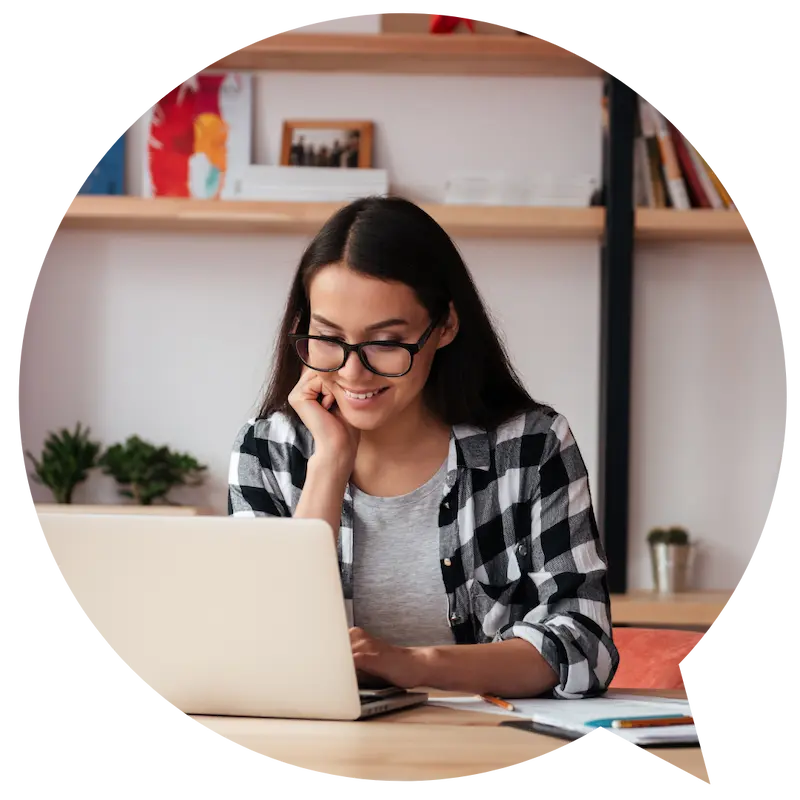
{"x": 310, "y": 184}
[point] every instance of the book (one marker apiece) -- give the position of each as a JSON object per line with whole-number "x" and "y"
{"x": 670, "y": 168}
{"x": 726, "y": 198}
{"x": 676, "y": 187}
{"x": 648, "y": 127}
{"x": 695, "y": 188}
{"x": 710, "y": 190}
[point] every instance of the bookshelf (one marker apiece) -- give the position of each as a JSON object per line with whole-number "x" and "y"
{"x": 500, "y": 56}
{"x": 409, "y": 54}
{"x": 92, "y": 212}
{"x": 401, "y": 53}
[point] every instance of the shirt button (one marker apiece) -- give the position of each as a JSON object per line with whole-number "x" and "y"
{"x": 522, "y": 550}
{"x": 447, "y": 504}
{"x": 454, "y": 619}
{"x": 448, "y": 562}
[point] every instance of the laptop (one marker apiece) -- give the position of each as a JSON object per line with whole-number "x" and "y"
{"x": 222, "y": 615}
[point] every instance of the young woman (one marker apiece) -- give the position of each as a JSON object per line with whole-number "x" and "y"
{"x": 468, "y": 547}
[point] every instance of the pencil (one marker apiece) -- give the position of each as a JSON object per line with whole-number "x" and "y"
{"x": 655, "y": 722}
{"x": 504, "y": 704}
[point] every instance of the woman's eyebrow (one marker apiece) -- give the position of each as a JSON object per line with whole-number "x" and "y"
{"x": 386, "y": 323}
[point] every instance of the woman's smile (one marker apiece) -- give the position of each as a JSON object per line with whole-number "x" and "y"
{"x": 363, "y": 397}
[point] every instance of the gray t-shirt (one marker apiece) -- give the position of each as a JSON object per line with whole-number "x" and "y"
{"x": 398, "y": 592}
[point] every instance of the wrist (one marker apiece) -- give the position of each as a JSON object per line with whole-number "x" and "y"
{"x": 330, "y": 466}
{"x": 425, "y": 659}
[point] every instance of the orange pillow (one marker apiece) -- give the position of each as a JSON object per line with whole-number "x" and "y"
{"x": 649, "y": 657}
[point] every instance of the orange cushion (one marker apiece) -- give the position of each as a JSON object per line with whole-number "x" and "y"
{"x": 649, "y": 657}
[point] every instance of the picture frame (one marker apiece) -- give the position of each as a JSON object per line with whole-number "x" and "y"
{"x": 327, "y": 143}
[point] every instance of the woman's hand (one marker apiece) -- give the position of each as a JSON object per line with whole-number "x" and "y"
{"x": 400, "y": 666}
{"x": 335, "y": 441}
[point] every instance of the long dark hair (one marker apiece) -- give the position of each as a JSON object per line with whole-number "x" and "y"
{"x": 471, "y": 380}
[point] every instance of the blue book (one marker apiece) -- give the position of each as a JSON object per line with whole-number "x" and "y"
{"x": 108, "y": 177}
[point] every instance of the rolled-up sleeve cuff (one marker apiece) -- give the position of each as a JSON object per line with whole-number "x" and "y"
{"x": 578, "y": 676}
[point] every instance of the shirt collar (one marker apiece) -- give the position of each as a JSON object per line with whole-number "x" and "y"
{"x": 469, "y": 448}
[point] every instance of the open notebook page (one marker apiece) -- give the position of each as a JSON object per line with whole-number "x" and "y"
{"x": 573, "y": 715}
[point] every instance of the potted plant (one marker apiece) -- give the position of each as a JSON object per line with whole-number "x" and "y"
{"x": 147, "y": 473}
{"x": 65, "y": 462}
{"x": 670, "y": 551}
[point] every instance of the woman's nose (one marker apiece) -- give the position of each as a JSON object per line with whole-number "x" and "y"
{"x": 353, "y": 370}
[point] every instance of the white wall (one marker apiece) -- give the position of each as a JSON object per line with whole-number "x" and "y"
{"x": 708, "y": 404}
{"x": 169, "y": 335}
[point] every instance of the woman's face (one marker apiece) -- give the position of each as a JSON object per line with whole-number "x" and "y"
{"x": 357, "y": 308}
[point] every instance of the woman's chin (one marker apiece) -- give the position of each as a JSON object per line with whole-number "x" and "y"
{"x": 364, "y": 420}
{"x": 365, "y": 414}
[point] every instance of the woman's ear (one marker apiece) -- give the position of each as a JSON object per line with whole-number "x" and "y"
{"x": 450, "y": 328}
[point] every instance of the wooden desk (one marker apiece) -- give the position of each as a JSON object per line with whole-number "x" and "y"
{"x": 684, "y": 609}
{"x": 424, "y": 743}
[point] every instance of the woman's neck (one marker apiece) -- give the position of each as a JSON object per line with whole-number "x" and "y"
{"x": 396, "y": 459}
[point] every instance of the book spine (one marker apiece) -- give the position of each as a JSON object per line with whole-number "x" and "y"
{"x": 726, "y": 198}
{"x": 712, "y": 194}
{"x": 642, "y": 175}
{"x": 672, "y": 173}
{"x": 651, "y": 144}
{"x": 696, "y": 192}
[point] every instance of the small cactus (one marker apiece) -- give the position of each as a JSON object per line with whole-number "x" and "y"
{"x": 673, "y": 535}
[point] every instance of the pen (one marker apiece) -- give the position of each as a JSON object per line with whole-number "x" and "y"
{"x": 653, "y": 722}
{"x": 504, "y": 704}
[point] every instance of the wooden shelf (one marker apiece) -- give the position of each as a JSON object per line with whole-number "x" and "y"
{"x": 665, "y": 224}
{"x": 116, "y": 509}
{"x": 93, "y": 212}
{"x": 685, "y": 609}
{"x": 417, "y": 54}
{"x": 168, "y": 214}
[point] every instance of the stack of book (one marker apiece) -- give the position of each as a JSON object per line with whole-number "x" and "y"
{"x": 668, "y": 171}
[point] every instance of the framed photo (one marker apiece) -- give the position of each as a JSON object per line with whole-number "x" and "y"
{"x": 327, "y": 143}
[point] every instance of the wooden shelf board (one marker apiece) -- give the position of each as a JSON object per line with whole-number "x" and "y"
{"x": 409, "y": 54}
{"x": 684, "y": 608}
{"x": 172, "y": 214}
{"x": 665, "y": 224}
{"x": 129, "y": 508}
{"x": 176, "y": 214}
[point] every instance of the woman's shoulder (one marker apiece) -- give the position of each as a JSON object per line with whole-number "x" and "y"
{"x": 532, "y": 437}
{"x": 541, "y": 419}
{"x": 277, "y": 429}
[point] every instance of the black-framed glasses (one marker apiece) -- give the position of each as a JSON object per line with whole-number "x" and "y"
{"x": 388, "y": 359}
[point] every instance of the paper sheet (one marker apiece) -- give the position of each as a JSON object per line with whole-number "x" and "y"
{"x": 574, "y": 714}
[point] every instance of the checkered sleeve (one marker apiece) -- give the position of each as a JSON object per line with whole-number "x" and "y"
{"x": 571, "y": 624}
{"x": 260, "y": 481}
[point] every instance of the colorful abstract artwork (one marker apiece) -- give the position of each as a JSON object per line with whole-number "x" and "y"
{"x": 196, "y": 133}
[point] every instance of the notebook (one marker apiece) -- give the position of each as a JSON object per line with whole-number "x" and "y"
{"x": 570, "y": 719}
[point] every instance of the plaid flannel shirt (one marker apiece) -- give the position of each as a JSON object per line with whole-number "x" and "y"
{"x": 519, "y": 548}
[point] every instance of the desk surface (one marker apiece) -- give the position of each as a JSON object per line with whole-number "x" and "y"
{"x": 423, "y": 743}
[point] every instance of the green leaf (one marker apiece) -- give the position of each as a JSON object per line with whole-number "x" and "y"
{"x": 67, "y": 457}
{"x": 148, "y": 473}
